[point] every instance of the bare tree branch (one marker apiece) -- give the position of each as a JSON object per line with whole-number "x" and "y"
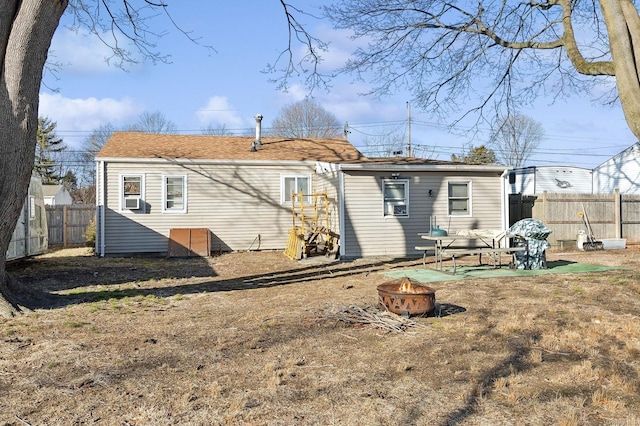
{"x": 462, "y": 59}
{"x": 516, "y": 138}
{"x": 288, "y": 65}
{"x": 126, "y": 29}
{"x": 306, "y": 119}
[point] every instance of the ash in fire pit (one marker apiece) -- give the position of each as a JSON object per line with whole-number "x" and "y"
{"x": 406, "y": 297}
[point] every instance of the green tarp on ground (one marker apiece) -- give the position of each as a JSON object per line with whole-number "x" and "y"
{"x": 426, "y": 275}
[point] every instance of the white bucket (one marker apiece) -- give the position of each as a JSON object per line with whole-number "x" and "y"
{"x": 581, "y": 239}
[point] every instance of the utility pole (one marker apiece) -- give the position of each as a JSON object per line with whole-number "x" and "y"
{"x": 408, "y": 129}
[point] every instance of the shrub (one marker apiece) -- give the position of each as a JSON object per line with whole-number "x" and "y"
{"x": 90, "y": 234}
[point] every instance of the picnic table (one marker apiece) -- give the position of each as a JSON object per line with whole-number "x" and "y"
{"x": 468, "y": 242}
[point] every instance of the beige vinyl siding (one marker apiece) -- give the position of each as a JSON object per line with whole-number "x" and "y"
{"x": 369, "y": 233}
{"x": 329, "y": 182}
{"x": 239, "y": 205}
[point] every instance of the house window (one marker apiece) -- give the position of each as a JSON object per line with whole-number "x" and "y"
{"x": 396, "y": 197}
{"x": 132, "y": 189}
{"x": 460, "y": 198}
{"x": 32, "y": 207}
{"x": 294, "y": 184}
{"x": 174, "y": 194}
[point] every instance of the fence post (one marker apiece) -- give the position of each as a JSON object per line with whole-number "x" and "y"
{"x": 65, "y": 238}
{"x": 617, "y": 214}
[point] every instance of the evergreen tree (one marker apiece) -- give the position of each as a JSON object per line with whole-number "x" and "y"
{"x": 69, "y": 181}
{"x": 476, "y": 155}
{"x": 48, "y": 144}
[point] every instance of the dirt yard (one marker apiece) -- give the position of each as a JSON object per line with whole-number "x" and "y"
{"x": 254, "y": 338}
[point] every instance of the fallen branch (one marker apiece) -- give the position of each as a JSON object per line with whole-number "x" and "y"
{"x": 23, "y": 421}
{"x": 371, "y": 316}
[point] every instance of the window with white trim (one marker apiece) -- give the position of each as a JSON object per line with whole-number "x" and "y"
{"x": 396, "y": 197}
{"x": 174, "y": 194}
{"x": 131, "y": 192}
{"x": 459, "y": 198}
{"x": 294, "y": 184}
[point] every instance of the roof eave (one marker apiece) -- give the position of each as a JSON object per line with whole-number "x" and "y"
{"x": 424, "y": 167}
{"x": 208, "y": 161}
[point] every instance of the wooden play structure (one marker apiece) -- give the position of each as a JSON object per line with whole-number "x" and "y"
{"x": 310, "y": 234}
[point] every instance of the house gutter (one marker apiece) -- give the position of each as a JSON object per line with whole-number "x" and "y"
{"x": 198, "y": 162}
{"x": 420, "y": 168}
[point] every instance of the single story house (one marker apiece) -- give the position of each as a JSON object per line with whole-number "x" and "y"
{"x": 386, "y": 202}
{"x": 622, "y": 172}
{"x": 241, "y": 190}
{"x": 56, "y": 195}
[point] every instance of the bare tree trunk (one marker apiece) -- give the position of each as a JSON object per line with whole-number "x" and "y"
{"x": 9, "y": 300}
{"x": 26, "y": 30}
{"x": 623, "y": 26}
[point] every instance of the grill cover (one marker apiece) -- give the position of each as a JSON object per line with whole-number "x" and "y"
{"x": 533, "y": 235}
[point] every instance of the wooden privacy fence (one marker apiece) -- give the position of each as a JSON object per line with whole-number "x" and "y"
{"x": 68, "y": 224}
{"x": 610, "y": 215}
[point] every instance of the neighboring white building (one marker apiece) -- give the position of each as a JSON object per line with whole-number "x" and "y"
{"x": 556, "y": 179}
{"x": 56, "y": 195}
{"x": 622, "y": 172}
{"x": 30, "y": 236}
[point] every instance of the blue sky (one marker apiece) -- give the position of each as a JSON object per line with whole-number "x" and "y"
{"x": 227, "y": 87}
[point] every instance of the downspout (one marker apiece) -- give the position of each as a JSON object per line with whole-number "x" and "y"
{"x": 100, "y": 172}
{"x": 504, "y": 201}
{"x": 341, "y": 209}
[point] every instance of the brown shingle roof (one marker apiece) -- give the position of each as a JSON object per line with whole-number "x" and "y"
{"x": 200, "y": 147}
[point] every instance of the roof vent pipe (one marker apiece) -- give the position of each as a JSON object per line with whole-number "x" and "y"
{"x": 258, "y": 129}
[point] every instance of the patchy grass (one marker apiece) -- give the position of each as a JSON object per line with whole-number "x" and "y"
{"x": 240, "y": 339}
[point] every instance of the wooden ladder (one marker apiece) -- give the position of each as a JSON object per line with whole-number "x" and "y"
{"x": 310, "y": 231}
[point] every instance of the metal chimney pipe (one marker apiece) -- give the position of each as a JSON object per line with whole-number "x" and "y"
{"x": 258, "y": 129}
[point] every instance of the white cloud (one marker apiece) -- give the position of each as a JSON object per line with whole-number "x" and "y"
{"x": 347, "y": 103}
{"x": 218, "y": 111}
{"x": 80, "y": 53}
{"x": 341, "y": 46}
{"x": 294, "y": 93}
{"x": 77, "y": 118}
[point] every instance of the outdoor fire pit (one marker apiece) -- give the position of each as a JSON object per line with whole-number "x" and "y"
{"x": 406, "y": 297}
